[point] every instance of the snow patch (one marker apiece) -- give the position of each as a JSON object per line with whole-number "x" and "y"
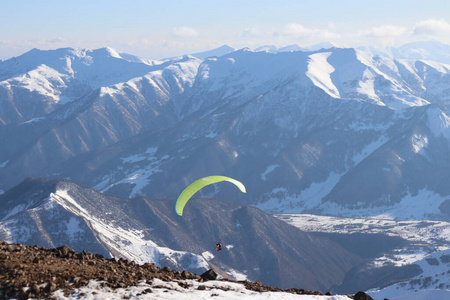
{"x": 422, "y": 206}
{"x": 237, "y": 275}
{"x": 43, "y": 80}
{"x": 268, "y": 170}
{"x": 418, "y": 143}
{"x": 367, "y": 86}
{"x": 139, "y": 178}
{"x": 211, "y": 135}
{"x": 62, "y": 197}
{"x": 3, "y": 164}
{"x": 213, "y": 289}
{"x": 34, "y": 120}
{"x": 319, "y": 71}
{"x": 147, "y": 155}
{"x": 417, "y": 207}
{"x": 369, "y": 149}
{"x": 423, "y": 295}
{"x": 17, "y": 209}
{"x": 229, "y": 247}
{"x": 73, "y": 228}
{"x": 438, "y": 122}
{"x": 281, "y": 201}
{"x": 208, "y": 255}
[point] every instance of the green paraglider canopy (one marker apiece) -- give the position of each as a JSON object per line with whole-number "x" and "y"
{"x": 194, "y": 187}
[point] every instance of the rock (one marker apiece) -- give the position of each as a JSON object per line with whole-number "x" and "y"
{"x": 209, "y": 275}
{"x": 37, "y": 272}
{"x": 12, "y": 248}
{"x": 65, "y": 250}
{"x": 87, "y": 254}
{"x": 362, "y": 296}
{"x": 50, "y": 287}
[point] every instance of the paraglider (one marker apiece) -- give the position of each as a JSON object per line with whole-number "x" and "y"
{"x": 197, "y": 185}
{"x": 194, "y": 187}
{"x": 218, "y": 246}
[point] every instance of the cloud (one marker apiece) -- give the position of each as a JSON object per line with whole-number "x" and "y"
{"x": 185, "y": 31}
{"x": 55, "y": 40}
{"x": 254, "y": 32}
{"x": 432, "y": 27}
{"x": 298, "y": 30}
{"x": 385, "y": 31}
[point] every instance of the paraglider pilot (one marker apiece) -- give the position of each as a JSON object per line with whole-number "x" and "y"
{"x": 218, "y": 246}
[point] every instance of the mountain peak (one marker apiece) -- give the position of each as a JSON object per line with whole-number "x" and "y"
{"x": 220, "y": 51}
{"x": 291, "y": 48}
{"x": 107, "y": 51}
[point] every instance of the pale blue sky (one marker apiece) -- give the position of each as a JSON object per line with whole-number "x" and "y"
{"x": 156, "y": 29}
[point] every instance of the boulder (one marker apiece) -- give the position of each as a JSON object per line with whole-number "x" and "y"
{"x": 65, "y": 251}
{"x": 209, "y": 275}
{"x": 362, "y": 296}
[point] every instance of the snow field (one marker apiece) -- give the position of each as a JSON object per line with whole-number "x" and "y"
{"x": 173, "y": 290}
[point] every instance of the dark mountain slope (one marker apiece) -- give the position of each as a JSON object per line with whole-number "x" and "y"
{"x": 57, "y": 212}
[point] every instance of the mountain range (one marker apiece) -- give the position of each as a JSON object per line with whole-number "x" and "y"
{"x": 338, "y": 131}
{"x": 52, "y": 213}
{"x": 113, "y": 139}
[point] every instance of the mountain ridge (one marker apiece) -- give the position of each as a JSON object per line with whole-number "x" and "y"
{"x": 52, "y": 213}
{"x": 312, "y": 118}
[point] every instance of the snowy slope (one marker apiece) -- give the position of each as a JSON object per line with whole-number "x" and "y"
{"x": 70, "y": 216}
{"x": 38, "y": 82}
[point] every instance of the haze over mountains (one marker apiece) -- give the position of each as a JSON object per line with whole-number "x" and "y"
{"x": 333, "y": 131}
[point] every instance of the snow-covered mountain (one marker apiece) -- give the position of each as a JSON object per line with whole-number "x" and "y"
{"x": 416, "y": 253}
{"x": 295, "y": 47}
{"x": 331, "y": 131}
{"x": 430, "y": 50}
{"x": 432, "y": 281}
{"x": 257, "y": 246}
{"x": 222, "y": 50}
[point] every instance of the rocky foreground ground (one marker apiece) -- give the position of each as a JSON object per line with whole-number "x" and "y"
{"x": 35, "y": 272}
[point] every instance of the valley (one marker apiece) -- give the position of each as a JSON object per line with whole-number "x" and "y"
{"x": 386, "y": 242}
